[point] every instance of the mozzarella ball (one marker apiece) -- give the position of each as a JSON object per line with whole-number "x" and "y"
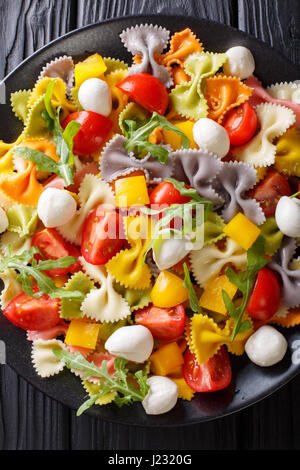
{"x": 266, "y": 346}
{"x": 240, "y": 62}
{"x": 162, "y": 395}
{"x": 210, "y": 136}
{"x": 287, "y": 216}
{"x": 3, "y": 220}
{"x": 94, "y": 95}
{"x": 167, "y": 253}
{"x": 134, "y": 342}
{"x": 56, "y": 207}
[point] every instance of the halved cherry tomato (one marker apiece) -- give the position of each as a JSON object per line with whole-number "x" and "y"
{"x": 33, "y": 314}
{"x": 53, "y": 246}
{"x": 166, "y": 193}
{"x": 102, "y": 236}
{"x": 164, "y": 323}
{"x": 146, "y": 90}
{"x": 270, "y": 190}
{"x": 265, "y": 298}
{"x": 240, "y": 124}
{"x": 213, "y": 375}
{"x": 92, "y": 133}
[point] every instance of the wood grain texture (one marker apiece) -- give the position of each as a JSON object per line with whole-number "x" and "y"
{"x": 30, "y": 420}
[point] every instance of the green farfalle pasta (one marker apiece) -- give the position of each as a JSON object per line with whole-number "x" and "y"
{"x": 133, "y": 111}
{"x": 136, "y": 298}
{"x": 187, "y": 98}
{"x": 273, "y": 236}
{"x": 107, "y": 328}
{"x": 22, "y": 219}
{"x": 19, "y": 100}
{"x": 35, "y": 125}
{"x": 70, "y": 308}
{"x": 113, "y": 65}
{"x": 94, "y": 389}
{"x": 213, "y": 228}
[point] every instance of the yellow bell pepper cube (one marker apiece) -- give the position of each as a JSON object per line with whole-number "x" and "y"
{"x": 166, "y": 359}
{"x": 83, "y": 334}
{"x": 242, "y": 231}
{"x": 131, "y": 191}
{"x": 173, "y": 139}
{"x": 212, "y": 299}
{"x": 168, "y": 290}
{"x": 184, "y": 391}
{"x": 92, "y": 67}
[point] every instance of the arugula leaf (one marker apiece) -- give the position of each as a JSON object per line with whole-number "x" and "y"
{"x": 189, "y": 192}
{"x": 64, "y": 141}
{"x": 245, "y": 282}
{"x": 137, "y": 133}
{"x": 193, "y": 299}
{"x": 126, "y": 393}
{"x": 183, "y": 211}
{"x": 45, "y": 284}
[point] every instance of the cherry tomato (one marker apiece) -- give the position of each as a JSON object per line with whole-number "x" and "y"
{"x": 92, "y": 133}
{"x": 265, "y": 298}
{"x": 102, "y": 236}
{"x": 146, "y": 90}
{"x": 240, "y": 124}
{"x": 166, "y": 193}
{"x": 270, "y": 190}
{"x": 213, "y": 375}
{"x": 53, "y": 246}
{"x": 164, "y": 323}
{"x": 33, "y": 314}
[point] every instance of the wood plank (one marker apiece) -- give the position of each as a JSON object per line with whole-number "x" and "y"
{"x": 274, "y": 22}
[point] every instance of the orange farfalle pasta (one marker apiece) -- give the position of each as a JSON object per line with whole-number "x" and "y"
{"x": 291, "y": 319}
{"x": 224, "y": 93}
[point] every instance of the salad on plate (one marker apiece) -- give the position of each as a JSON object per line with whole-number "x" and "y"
{"x": 150, "y": 219}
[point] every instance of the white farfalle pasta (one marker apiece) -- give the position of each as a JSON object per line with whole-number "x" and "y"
{"x": 44, "y": 361}
{"x": 208, "y": 262}
{"x": 11, "y": 288}
{"x": 274, "y": 120}
{"x": 104, "y": 303}
{"x": 285, "y": 91}
{"x": 93, "y": 193}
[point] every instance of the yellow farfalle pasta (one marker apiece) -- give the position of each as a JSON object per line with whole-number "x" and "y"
{"x": 127, "y": 266}
{"x": 287, "y": 159}
{"x": 11, "y": 288}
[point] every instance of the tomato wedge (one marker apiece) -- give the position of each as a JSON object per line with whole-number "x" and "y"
{"x": 270, "y": 190}
{"x": 213, "y": 375}
{"x": 53, "y": 246}
{"x": 240, "y": 124}
{"x": 166, "y": 193}
{"x": 33, "y": 314}
{"x": 164, "y": 323}
{"x": 102, "y": 236}
{"x": 146, "y": 90}
{"x": 265, "y": 298}
{"x": 93, "y": 131}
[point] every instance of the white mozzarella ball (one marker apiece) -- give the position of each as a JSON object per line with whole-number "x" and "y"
{"x": 162, "y": 395}
{"x": 94, "y": 95}
{"x": 56, "y": 207}
{"x": 3, "y": 220}
{"x": 240, "y": 62}
{"x": 133, "y": 342}
{"x": 168, "y": 252}
{"x": 210, "y": 136}
{"x": 287, "y": 216}
{"x": 266, "y": 346}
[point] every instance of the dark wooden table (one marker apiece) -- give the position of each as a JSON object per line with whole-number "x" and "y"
{"x": 29, "y": 419}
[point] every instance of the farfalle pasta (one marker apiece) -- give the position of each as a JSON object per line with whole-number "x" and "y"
{"x": 144, "y": 235}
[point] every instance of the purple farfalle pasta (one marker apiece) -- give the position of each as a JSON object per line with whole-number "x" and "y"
{"x": 115, "y": 161}
{"x": 61, "y": 67}
{"x": 290, "y": 277}
{"x": 198, "y": 168}
{"x": 232, "y": 182}
{"x": 146, "y": 41}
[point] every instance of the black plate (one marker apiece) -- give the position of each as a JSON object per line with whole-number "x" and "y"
{"x": 250, "y": 383}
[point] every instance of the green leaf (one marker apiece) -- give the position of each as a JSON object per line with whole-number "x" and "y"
{"x": 137, "y": 133}
{"x": 193, "y": 299}
{"x": 188, "y": 192}
{"x": 126, "y": 393}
